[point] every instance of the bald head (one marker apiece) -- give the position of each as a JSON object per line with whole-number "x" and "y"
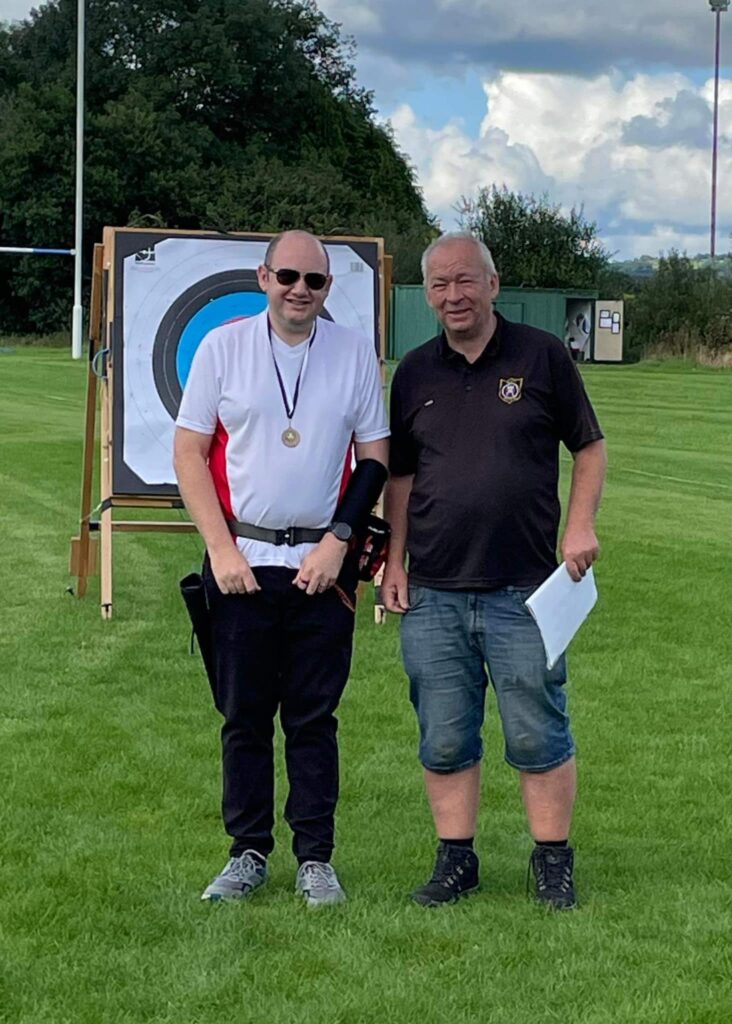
{"x": 295, "y": 277}
{"x": 303, "y": 242}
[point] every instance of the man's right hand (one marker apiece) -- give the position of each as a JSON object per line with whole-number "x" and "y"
{"x": 395, "y": 588}
{"x": 233, "y": 573}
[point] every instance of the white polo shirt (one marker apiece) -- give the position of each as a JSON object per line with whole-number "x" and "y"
{"x": 233, "y": 393}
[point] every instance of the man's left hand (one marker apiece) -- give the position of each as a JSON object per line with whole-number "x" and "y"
{"x": 319, "y": 570}
{"x": 579, "y": 550}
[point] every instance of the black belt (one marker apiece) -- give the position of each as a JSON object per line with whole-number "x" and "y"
{"x": 292, "y": 536}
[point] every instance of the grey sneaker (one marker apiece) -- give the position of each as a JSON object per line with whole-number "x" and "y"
{"x": 319, "y": 884}
{"x": 241, "y": 876}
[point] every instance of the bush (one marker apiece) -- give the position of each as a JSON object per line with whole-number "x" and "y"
{"x": 681, "y": 312}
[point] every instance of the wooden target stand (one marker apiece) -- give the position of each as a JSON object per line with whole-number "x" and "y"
{"x": 92, "y": 549}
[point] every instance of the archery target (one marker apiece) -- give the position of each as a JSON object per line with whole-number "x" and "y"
{"x": 174, "y": 292}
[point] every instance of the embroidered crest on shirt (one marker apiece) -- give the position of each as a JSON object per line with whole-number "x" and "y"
{"x": 511, "y": 389}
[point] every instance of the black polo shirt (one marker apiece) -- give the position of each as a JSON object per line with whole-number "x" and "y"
{"x": 482, "y": 441}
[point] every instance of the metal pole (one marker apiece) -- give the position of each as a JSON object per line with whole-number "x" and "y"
{"x": 715, "y": 143}
{"x": 24, "y": 250}
{"x": 77, "y": 316}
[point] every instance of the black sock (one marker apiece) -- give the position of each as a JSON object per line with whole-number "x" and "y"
{"x": 304, "y": 860}
{"x": 466, "y": 844}
{"x": 552, "y": 842}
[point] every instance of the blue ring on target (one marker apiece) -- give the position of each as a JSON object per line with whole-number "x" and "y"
{"x": 219, "y": 311}
{"x": 206, "y": 304}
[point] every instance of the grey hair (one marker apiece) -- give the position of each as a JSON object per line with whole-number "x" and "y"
{"x": 274, "y": 242}
{"x": 458, "y": 236}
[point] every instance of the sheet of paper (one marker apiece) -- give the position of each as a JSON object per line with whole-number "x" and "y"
{"x": 560, "y": 606}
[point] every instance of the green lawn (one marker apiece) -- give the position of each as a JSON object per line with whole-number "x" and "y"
{"x": 110, "y": 779}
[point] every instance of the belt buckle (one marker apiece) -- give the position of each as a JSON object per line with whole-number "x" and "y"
{"x": 286, "y": 536}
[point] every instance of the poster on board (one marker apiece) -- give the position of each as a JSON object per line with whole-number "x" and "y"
{"x": 169, "y": 290}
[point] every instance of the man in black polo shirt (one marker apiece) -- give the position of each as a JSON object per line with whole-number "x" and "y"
{"x": 477, "y": 415}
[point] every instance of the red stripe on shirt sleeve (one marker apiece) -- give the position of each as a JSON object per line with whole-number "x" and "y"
{"x": 217, "y": 468}
{"x": 347, "y": 471}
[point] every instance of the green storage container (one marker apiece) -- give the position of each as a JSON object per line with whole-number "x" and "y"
{"x": 411, "y": 321}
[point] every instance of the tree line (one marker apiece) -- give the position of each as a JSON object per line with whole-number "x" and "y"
{"x": 200, "y": 114}
{"x": 224, "y": 115}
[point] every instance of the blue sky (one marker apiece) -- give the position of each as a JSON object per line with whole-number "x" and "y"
{"x": 603, "y": 104}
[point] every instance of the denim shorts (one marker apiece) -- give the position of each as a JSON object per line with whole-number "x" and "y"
{"x": 449, "y": 638}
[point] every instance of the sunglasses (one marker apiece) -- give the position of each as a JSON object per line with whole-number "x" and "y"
{"x": 315, "y": 282}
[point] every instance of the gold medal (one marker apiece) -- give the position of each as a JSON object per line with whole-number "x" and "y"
{"x": 290, "y": 438}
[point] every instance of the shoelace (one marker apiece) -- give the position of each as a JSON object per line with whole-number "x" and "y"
{"x": 446, "y": 871}
{"x": 317, "y": 875}
{"x": 551, "y": 873}
{"x": 242, "y": 868}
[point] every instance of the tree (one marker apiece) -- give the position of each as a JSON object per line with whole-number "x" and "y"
{"x": 682, "y": 310}
{"x": 534, "y": 244}
{"x": 201, "y": 114}
{"x": 614, "y": 283}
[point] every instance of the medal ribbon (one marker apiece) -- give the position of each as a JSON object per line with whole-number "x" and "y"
{"x": 290, "y": 411}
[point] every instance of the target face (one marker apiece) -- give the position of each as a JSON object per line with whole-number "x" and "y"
{"x": 171, "y": 290}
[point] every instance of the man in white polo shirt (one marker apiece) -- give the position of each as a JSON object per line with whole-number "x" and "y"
{"x": 270, "y": 409}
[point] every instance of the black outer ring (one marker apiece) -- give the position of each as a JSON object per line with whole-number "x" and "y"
{"x": 175, "y": 321}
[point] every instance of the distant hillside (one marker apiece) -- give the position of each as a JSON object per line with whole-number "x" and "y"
{"x": 646, "y": 266}
{"x": 643, "y": 266}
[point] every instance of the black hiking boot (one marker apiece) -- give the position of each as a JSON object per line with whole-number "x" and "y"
{"x": 455, "y": 875}
{"x": 552, "y": 868}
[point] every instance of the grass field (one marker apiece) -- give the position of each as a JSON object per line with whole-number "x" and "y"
{"x": 109, "y": 822}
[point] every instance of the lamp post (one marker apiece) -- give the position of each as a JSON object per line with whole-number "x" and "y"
{"x": 77, "y": 315}
{"x": 718, "y": 7}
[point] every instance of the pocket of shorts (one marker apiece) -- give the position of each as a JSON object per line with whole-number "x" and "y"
{"x": 520, "y": 596}
{"x": 416, "y": 595}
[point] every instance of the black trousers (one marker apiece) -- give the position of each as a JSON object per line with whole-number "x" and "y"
{"x": 279, "y": 649}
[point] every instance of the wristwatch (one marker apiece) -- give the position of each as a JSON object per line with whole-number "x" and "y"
{"x": 341, "y": 531}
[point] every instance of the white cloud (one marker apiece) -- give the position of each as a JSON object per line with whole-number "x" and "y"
{"x": 451, "y": 164}
{"x": 648, "y": 187}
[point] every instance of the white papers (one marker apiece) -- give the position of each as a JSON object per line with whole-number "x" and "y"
{"x": 560, "y": 606}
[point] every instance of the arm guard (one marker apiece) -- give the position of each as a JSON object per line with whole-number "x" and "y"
{"x": 361, "y": 494}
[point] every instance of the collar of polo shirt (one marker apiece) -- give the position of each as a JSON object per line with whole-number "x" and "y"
{"x": 489, "y": 352}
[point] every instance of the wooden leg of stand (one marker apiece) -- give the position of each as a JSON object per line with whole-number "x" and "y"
{"x": 84, "y": 566}
{"x": 83, "y": 560}
{"x": 83, "y": 548}
{"x": 105, "y": 541}
{"x": 84, "y": 557}
{"x": 379, "y": 609}
{"x": 105, "y": 525}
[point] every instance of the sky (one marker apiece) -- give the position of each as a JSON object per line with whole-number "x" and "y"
{"x": 602, "y": 105}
